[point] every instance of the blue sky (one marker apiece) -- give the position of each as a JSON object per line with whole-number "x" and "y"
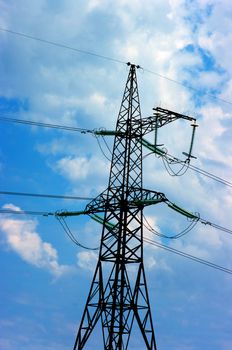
{"x": 45, "y": 278}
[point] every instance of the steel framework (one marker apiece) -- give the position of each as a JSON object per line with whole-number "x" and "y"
{"x": 114, "y": 297}
{"x": 118, "y": 293}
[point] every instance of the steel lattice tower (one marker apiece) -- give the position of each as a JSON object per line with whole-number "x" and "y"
{"x": 115, "y": 298}
{"x": 118, "y": 295}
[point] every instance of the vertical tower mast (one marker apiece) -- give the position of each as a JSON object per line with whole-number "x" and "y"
{"x": 117, "y": 298}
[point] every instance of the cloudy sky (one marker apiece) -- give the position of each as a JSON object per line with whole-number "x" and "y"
{"x": 184, "y": 48}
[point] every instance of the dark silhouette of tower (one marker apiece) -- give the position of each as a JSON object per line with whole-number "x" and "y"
{"x": 115, "y": 298}
{"x": 118, "y": 295}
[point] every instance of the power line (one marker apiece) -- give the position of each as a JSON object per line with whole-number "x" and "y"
{"x": 53, "y": 43}
{"x": 174, "y": 236}
{"x": 60, "y": 219}
{"x": 44, "y": 125}
{"x": 192, "y": 224}
{"x": 195, "y": 217}
{"x": 146, "y": 239}
{"x": 185, "y": 166}
{"x": 217, "y": 227}
{"x": 44, "y": 195}
{"x": 172, "y": 159}
{"x": 188, "y": 256}
{"x": 210, "y": 175}
{"x": 63, "y": 46}
{"x": 69, "y": 233}
{"x": 26, "y": 212}
{"x": 187, "y": 86}
{"x": 84, "y": 131}
{"x": 171, "y": 172}
{"x": 46, "y": 213}
{"x": 101, "y": 149}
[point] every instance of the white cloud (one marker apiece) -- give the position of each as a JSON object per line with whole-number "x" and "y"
{"x": 65, "y": 87}
{"x": 76, "y": 168}
{"x": 150, "y": 262}
{"x": 78, "y": 89}
{"x": 87, "y": 260}
{"x": 21, "y": 236}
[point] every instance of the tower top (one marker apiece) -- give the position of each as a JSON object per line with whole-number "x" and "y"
{"x": 133, "y": 65}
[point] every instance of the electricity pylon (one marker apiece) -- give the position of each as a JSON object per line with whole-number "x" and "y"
{"x": 113, "y": 296}
{"x": 118, "y": 295}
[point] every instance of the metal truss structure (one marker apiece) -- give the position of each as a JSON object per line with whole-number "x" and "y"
{"x": 114, "y": 297}
{"x": 118, "y": 298}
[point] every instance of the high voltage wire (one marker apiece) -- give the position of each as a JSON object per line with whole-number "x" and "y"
{"x": 39, "y": 195}
{"x": 47, "y": 213}
{"x": 44, "y": 195}
{"x": 210, "y": 175}
{"x": 174, "y": 236}
{"x": 26, "y": 212}
{"x": 69, "y": 233}
{"x": 183, "y": 170}
{"x": 187, "y": 86}
{"x": 101, "y": 149}
{"x": 171, "y": 159}
{"x": 187, "y": 229}
{"x": 44, "y": 125}
{"x": 64, "y": 46}
{"x": 180, "y": 253}
{"x": 188, "y": 256}
{"x": 146, "y": 239}
{"x": 70, "y": 128}
{"x": 84, "y": 131}
{"x": 217, "y": 227}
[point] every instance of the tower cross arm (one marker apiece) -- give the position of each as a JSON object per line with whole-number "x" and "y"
{"x": 160, "y": 118}
{"x": 136, "y": 197}
{"x": 146, "y": 197}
